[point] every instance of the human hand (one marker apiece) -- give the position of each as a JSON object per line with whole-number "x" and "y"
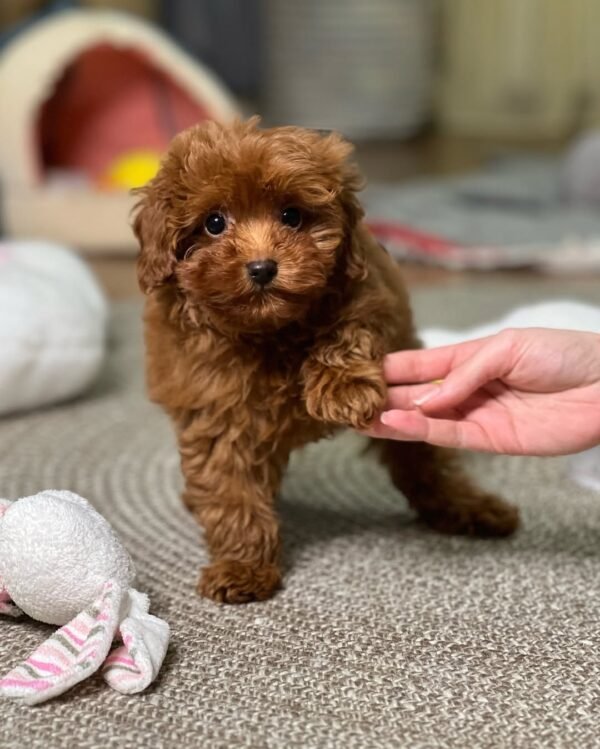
{"x": 532, "y": 391}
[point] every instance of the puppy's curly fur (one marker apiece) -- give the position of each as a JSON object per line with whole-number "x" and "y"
{"x": 249, "y": 371}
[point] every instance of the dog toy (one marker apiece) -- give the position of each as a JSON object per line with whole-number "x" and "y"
{"x": 61, "y": 563}
{"x": 131, "y": 170}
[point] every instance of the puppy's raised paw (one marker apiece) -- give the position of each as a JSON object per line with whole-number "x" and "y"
{"x": 230, "y": 581}
{"x": 345, "y": 400}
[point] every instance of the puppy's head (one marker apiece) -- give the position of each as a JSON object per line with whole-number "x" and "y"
{"x": 250, "y": 224}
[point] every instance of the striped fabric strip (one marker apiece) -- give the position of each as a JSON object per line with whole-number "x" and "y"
{"x": 121, "y": 669}
{"x": 69, "y": 655}
{"x": 134, "y": 664}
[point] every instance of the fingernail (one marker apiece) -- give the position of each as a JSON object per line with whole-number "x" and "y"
{"x": 426, "y": 396}
{"x": 385, "y": 418}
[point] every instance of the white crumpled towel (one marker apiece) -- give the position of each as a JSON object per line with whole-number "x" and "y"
{"x": 584, "y": 467}
{"x": 53, "y": 320}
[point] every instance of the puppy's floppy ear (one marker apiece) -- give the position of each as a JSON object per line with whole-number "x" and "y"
{"x": 352, "y": 182}
{"x": 156, "y": 259}
{"x": 356, "y": 262}
{"x": 337, "y": 151}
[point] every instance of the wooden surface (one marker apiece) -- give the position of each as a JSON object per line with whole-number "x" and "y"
{"x": 15, "y": 11}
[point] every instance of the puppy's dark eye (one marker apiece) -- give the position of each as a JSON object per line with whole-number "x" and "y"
{"x": 215, "y": 224}
{"x": 291, "y": 216}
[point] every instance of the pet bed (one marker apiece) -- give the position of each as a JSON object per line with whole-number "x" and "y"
{"x": 79, "y": 90}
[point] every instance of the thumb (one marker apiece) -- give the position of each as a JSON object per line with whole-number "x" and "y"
{"x": 492, "y": 361}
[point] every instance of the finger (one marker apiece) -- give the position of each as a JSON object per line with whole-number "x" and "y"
{"x": 490, "y": 362}
{"x": 403, "y": 396}
{"x": 414, "y": 426}
{"x": 425, "y": 365}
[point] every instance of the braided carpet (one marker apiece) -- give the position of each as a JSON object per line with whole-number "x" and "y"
{"x": 386, "y": 635}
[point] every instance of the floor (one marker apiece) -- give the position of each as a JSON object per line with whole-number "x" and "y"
{"x": 384, "y": 635}
{"x": 391, "y": 161}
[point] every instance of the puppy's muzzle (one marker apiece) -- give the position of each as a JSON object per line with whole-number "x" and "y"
{"x": 262, "y": 272}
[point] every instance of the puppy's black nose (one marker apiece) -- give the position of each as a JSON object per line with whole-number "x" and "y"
{"x": 262, "y": 272}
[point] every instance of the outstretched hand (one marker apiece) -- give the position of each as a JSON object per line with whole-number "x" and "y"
{"x": 532, "y": 391}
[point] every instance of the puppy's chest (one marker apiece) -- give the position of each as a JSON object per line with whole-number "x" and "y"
{"x": 275, "y": 373}
{"x": 267, "y": 378}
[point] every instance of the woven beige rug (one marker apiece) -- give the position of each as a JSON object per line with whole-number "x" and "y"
{"x": 386, "y": 635}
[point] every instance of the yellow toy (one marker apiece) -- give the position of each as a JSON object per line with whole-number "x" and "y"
{"x": 131, "y": 170}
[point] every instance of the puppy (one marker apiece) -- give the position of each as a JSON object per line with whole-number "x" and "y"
{"x": 270, "y": 308}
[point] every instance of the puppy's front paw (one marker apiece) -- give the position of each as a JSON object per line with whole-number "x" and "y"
{"x": 340, "y": 398}
{"x": 230, "y": 581}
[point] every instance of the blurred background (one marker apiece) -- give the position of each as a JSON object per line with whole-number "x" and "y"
{"x": 477, "y": 125}
{"x": 474, "y": 122}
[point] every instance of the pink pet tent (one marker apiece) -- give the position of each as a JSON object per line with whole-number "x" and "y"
{"x": 79, "y": 90}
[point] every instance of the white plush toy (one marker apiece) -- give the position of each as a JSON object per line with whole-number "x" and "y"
{"x": 53, "y": 319}
{"x": 61, "y": 563}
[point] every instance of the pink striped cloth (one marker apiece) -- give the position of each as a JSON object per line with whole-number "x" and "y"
{"x": 79, "y": 648}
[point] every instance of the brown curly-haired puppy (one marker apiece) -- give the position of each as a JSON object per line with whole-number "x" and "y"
{"x": 270, "y": 308}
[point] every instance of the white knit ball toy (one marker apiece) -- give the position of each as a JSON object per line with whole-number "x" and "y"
{"x": 62, "y": 563}
{"x": 56, "y": 553}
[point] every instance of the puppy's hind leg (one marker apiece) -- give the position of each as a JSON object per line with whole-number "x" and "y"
{"x": 436, "y": 487}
